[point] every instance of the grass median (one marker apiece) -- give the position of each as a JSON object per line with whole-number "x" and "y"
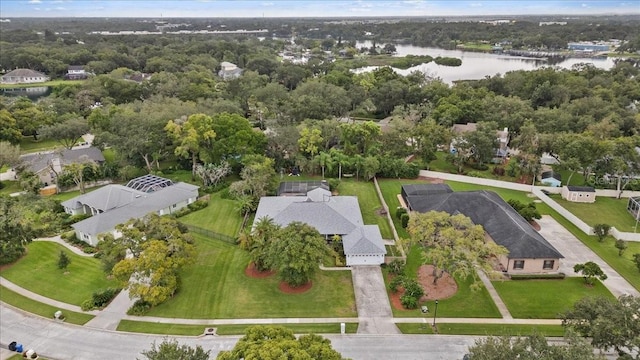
{"x": 24, "y": 303}
{"x": 195, "y": 330}
{"x": 482, "y": 329}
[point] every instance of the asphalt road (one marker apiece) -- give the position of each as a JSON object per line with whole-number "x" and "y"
{"x": 70, "y": 342}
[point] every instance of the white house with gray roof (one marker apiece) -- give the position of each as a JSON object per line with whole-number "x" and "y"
{"x": 49, "y": 165}
{"x": 330, "y": 215}
{"x": 116, "y": 204}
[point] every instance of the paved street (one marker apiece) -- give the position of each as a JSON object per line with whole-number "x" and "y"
{"x": 61, "y": 341}
{"x": 575, "y": 252}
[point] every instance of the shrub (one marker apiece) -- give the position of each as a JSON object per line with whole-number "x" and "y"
{"x": 408, "y": 302}
{"x": 198, "y": 205}
{"x": 412, "y": 288}
{"x": 68, "y": 236}
{"x": 99, "y": 299}
{"x": 396, "y": 267}
{"x": 63, "y": 260}
{"x": 404, "y": 219}
{"x": 481, "y": 167}
{"x": 395, "y": 283}
{"x": 87, "y": 305}
{"x": 399, "y": 211}
{"x": 601, "y": 231}
{"x": 621, "y": 245}
{"x": 139, "y": 308}
{"x": 477, "y": 174}
{"x": 333, "y": 184}
{"x": 225, "y": 194}
{"x": 498, "y": 171}
{"x": 75, "y": 218}
{"x": 536, "y": 276}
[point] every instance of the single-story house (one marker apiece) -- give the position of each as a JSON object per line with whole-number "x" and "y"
{"x": 330, "y": 215}
{"x": 551, "y": 178}
{"x": 585, "y": 194}
{"x": 116, "y": 204}
{"x": 76, "y": 72}
{"x": 229, "y": 71}
{"x": 23, "y": 76}
{"x": 48, "y": 165}
{"x": 529, "y": 252}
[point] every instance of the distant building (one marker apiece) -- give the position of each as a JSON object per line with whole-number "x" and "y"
{"x": 49, "y": 165}
{"x": 547, "y": 23}
{"x": 502, "y": 136}
{"x": 585, "y": 194}
{"x": 586, "y": 46}
{"x": 23, "y": 76}
{"x": 551, "y": 178}
{"x": 76, "y": 72}
{"x": 229, "y": 71}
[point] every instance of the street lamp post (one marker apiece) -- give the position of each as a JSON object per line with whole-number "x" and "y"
{"x": 435, "y": 313}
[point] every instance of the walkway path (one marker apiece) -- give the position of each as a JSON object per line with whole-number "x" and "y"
{"x": 110, "y": 316}
{"x": 576, "y": 252}
{"x": 494, "y": 295}
{"x": 372, "y": 302}
{"x": 58, "y": 239}
{"x": 45, "y": 300}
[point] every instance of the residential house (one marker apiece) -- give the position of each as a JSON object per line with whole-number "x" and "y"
{"x": 229, "y": 71}
{"x": 502, "y": 136}
{"x": 585, "y": 194}
{"x": 330, "y": 215}
{"x": 48, "y": 165}
{"x": 551, "y": 178}
{"x": 529, "y": 252}
{"x": 301, "y": 188}
{"x": 23, "y": 76}
{"x": 76, "y": 72}
{"x": 116, "y": 204}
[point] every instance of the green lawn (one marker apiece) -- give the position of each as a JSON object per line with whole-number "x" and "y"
{"x": 221, "y": 216}
{"x": 38, "y": 308}
{"x": 38, "y": 272}
{"x": 10, "y": 187}
{"x": 369, "y": 204}
{"x": 64, "y": 196}
{"x": 481, "y": 329}
{"x": 195, "y": 330}
{"x": 545, "y": 299}
{"x": 216, "y": 287}
{"x": 29, "y": 145}
{"x": 605, "y": 210}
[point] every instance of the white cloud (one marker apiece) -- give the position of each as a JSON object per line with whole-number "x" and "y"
{"x": 35, "y": 1}
{"x": 60, "y": 8}
{"x": 475, "y": 5}
{"x": 584, "y": 5}
{"x": 267, "y": 4}
{"x": 36, "y": 8}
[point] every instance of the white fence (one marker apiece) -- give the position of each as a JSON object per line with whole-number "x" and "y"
{"x": 537, "y": 191}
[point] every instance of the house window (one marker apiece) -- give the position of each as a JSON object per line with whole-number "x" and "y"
{"x": 175, "y": 205}
{"x": 548, "y": 264}
{"x": 518, "y": 264}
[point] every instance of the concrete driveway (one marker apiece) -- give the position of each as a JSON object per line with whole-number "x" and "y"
{"x": 374, "y": 309}
{"x": 575, "y": 252}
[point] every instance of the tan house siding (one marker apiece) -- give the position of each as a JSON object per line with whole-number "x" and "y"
{"x": 578, "y": 196}
{"x": 530, "y": 266}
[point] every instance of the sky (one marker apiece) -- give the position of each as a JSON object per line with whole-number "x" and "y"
{"x": 309, "y": 8}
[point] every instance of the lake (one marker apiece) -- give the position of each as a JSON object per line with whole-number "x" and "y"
{"x": 33, "y": 93}
{"x": 478, "y": 65}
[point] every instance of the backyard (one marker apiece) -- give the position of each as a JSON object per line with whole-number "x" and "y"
{"x": 605, "y": 210}
{"x": 221, "y": 216}
{"x": 370, "y": 205}
{"x": 216, "y": 287}
{"x": 545, "y": 299}
{"x": 38, "y": 272}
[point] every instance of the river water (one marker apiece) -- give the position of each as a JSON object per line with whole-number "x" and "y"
{"x": 477, "y": 65}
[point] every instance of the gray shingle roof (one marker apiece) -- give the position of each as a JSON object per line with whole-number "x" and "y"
{"x": 24, "y": 73}
{"x": 364, "y": 240}
{"x": 37, "y": 162}
{"x": 426, "y": 189}
{"x": 300, "y": 188}
{"x": 581, "y": 188}
{"x": 505, "y": 226}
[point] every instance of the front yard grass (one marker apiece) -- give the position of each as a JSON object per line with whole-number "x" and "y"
{"x": 10, "y": 187}
{"x": 195, "y": 330}
{"x": 221, "y": 216}
{"x": 545, "y": 299}
{"x": 22, "y": 302}
{"x": 38, "y": 272}
{"x": 217, "y": 287}
{"x": 29, "y": 145}
{"x": 481, "y": 329}
{"x": 605, "y": 210}
{"x": 369, "y": 204}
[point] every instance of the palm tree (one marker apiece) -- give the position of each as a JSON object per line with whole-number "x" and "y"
{"x": 340, "y": 158}
{"x": 325, "y": 161}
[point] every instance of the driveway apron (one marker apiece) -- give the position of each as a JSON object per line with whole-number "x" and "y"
{"x": 374, "y": 309}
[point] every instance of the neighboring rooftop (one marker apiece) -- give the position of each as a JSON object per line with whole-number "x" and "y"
{"x": 551, "y": 174}
{"x": 300, "y": 188}
{"x": 581, "y": 188}
{"x": 24, "y": 73}
{"x": 37, "y": 162}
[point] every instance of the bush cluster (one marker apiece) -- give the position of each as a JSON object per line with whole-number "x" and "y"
{"x": 139, "y": 308}
{"x": 70, "y": 237}
{"x": 412, "y": 291}
{"x": 194, "y": 206}
{"x": 99, "y": 299}
{"x": 537, "y": 276}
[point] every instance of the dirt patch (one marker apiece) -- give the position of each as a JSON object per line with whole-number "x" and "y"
{"x": 535, "y": 225}
{"x": 431, "y": 180}
{"x": 381, "y": 212}
{"x": 285, "y": 288}
{"x": 445, "y": 288}
{"x": 253, "y": 272}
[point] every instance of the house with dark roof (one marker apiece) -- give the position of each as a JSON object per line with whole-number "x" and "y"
{"x": 301, "y": 188}
{"x": 585, "y": 194}
{"x": 551, "y": 178}
{"x": 76, "y": 72}
{"x": 330, "y": 215}
{"x": 529, "y": 252}
{"x": 23, "y": 76}
{"x": 116, "y": 204}
{"x": 48, "y": 165}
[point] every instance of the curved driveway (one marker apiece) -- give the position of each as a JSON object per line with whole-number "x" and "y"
{"x": 70, "y": 342}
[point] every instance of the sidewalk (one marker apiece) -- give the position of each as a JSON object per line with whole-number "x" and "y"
{"x": 494, "y": 296}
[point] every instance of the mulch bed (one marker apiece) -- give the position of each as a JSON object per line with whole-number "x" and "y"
{"x": 535, "y": 225}
{"x": 252, "y": 272}
{"x": 445, "y": 288}
{"x": 285, "y": 288}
